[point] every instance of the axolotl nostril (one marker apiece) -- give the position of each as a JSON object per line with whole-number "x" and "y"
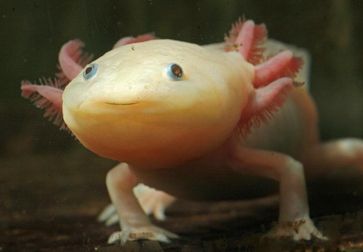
{"x": 193, "y": 122}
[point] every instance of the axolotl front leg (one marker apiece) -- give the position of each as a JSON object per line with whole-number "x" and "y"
{"x": 133, "y": 221}
{"x": 294, "y": 219}
{"x": 272, "y": 78}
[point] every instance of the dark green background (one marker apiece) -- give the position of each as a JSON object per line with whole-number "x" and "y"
{"x": 33, "y": 31}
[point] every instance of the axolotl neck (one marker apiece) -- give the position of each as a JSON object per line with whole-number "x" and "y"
{"x": 158, "y": 103}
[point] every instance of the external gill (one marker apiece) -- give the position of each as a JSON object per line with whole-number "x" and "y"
{"x": 47, "y": 95}
{"x": 273, "y": 77}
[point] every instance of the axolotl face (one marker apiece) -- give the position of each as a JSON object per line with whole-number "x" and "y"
{"x": 157, "y": 103}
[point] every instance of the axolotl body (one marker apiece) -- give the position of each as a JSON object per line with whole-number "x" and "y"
{"x": 194, "y": 122}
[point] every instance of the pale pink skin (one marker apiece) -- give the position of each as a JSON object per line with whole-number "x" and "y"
{"x": 273, "y": 80}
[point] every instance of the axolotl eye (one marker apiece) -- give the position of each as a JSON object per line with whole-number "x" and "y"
{"x": 174, "y": 71}
{"x": 90, "y": 71}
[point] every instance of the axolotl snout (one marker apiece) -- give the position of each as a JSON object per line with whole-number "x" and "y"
{"x": 196, "y": 122}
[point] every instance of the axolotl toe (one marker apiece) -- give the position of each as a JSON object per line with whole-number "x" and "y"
{"x": 194, "y": 122}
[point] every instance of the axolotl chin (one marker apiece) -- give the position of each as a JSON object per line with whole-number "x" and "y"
{"x": 193, "y": 122}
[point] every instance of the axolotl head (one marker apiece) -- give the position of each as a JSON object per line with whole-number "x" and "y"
{"x": 157, "y": 103}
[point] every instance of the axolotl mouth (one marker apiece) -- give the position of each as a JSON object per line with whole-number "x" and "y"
{"x": 124, "y": 108}
{"x": 121, "y": 103}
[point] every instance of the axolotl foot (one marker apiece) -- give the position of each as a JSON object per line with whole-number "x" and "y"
{"x": 300, "y": 229}
{"x": 149, "y": 232}
{"x": 153, "y": 202}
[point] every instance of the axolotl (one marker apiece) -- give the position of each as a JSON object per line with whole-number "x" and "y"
{"x": 194, "y": 122}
